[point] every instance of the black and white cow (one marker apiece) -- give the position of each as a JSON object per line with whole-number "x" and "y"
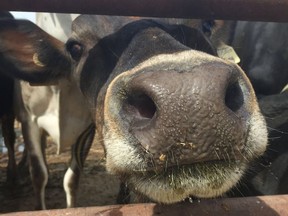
{"x": 58, "y": 110}
{"x": 175, "y": 121}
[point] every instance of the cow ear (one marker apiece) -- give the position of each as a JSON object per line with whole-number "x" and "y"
{"x": 29, "y": 53}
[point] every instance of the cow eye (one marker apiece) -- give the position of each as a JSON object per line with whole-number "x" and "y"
{"x": 75, "y": 49}
{"x": 207, "y": 26}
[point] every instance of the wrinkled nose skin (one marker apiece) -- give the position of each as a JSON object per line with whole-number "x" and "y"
{"x": 187, "y": 117}
{"x": 188, "y": 110}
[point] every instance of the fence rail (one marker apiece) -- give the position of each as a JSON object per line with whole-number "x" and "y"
{"x": 262, "y": 206}
{"x": 261, "y": 10}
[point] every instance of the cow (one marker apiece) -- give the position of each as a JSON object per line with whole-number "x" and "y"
{"x": 256, "y": 43}
{"x": 174, "y": 119}
{"x": 50, "y": 110}
{"x": 262, "y": 48}
{"x": 7, "y": 116}
{"x": 7, "y": 122}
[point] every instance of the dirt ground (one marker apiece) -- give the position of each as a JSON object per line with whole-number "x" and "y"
{"x": 96, "y": 186}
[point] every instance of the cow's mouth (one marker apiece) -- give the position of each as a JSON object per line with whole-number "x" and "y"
{"x": 174, "y": 184}
{"x": 184, "y": 167}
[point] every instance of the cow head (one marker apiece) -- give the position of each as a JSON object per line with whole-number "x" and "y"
{"x": 175, "y": 120}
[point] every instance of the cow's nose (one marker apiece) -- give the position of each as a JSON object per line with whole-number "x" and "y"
{"x": 184, "y": 117}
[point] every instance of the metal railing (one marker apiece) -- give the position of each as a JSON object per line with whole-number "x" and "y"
{"x": 261, "y": 10}
{"x": 262, "y": 206}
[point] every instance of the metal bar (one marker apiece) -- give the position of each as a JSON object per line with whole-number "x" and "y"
{"x": 256, "y": 206}
{"x": 261, "y": 10}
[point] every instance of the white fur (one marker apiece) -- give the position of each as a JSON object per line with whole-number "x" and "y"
{"x": 67, "y": 181}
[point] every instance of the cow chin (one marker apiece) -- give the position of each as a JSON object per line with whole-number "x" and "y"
{"x": 174, "y": 184}
{"x": 202, "y": 180}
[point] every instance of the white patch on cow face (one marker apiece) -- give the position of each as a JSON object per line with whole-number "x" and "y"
{"x": 175, "y": 184}
{"x": 257, "y": 139}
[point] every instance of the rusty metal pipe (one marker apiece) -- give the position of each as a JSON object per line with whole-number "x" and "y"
{"x": 261, "y": 10}
{"x": 249, "y": 206}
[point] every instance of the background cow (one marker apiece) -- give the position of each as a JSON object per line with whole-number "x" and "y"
{"x": 7, "y": 116}
{"x": 59, "y": 111}
{"x": 263, "y": 50}
{"x": 174, "y": 121}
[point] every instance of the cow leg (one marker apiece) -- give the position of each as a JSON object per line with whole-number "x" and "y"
{"x": 9, "y": 139}
{"x": 23, "y": 166}
{"x": 32, "y": 135}
{"x": 123, "y": 194}
{"x": 78, "y": 155}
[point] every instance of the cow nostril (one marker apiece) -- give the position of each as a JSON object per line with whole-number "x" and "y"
{"x": 140, "y": 106}
{"x": 234, "y": 98}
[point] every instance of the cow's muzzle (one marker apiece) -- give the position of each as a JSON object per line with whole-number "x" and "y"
{"x": 181, "y": 125}
{"x": 187, "y": 115}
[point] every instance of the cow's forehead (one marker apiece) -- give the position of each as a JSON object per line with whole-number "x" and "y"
{"x": 85, "y": 26}
{"x": 98, "y": 25}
